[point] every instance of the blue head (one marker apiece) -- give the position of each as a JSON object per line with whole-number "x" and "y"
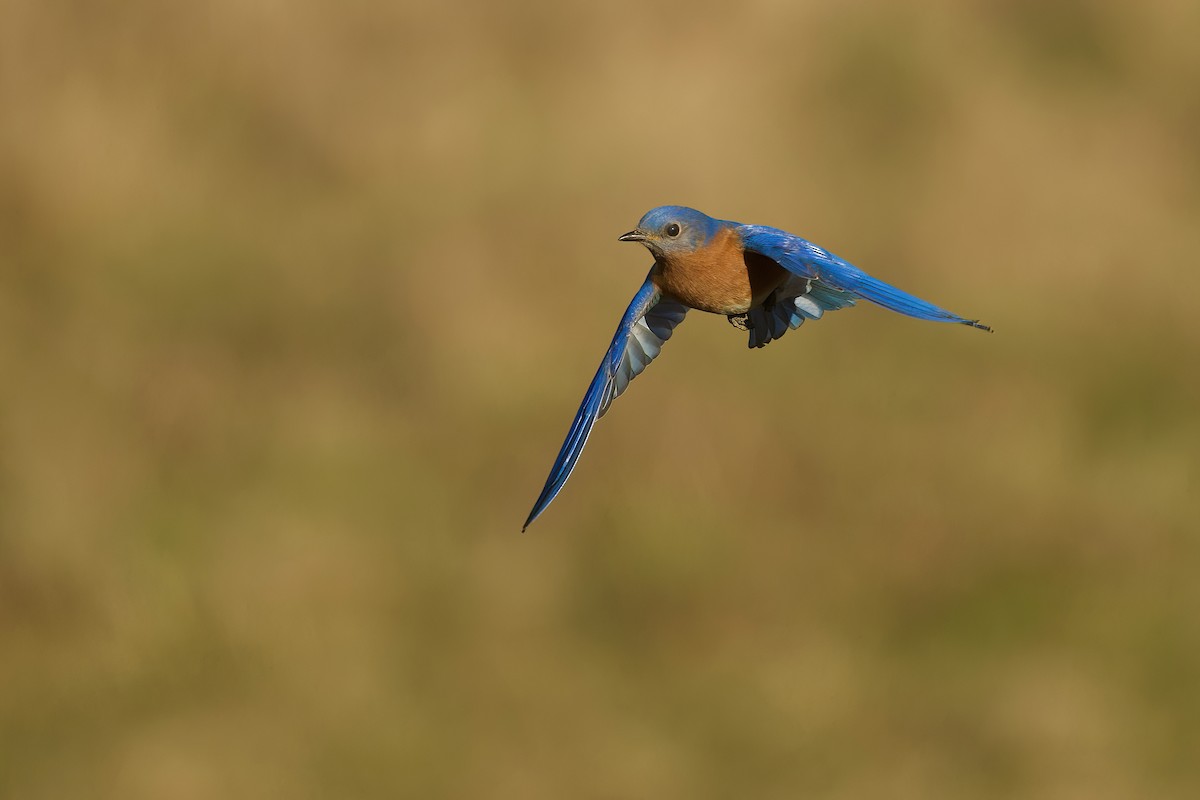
{"x": 668, "y": 230}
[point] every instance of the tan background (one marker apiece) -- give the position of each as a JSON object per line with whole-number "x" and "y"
{"x": 297, "y": 301}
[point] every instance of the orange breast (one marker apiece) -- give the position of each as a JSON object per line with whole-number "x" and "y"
{"x": 720, "y": 277}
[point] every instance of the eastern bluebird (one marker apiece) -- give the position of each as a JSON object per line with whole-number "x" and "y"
{"x": 764, "y": 280}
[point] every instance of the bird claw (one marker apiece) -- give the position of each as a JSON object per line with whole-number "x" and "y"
{"x": 740, "y": 321}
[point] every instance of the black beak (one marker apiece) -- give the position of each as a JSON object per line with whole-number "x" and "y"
{"x": 633, "y": 236}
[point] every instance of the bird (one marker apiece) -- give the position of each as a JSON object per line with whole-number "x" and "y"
{"x": 764, "y": 280}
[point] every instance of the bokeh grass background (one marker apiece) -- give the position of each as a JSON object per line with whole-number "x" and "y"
{"x": 297, "y": 301}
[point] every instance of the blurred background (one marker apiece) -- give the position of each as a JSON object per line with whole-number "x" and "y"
{"x": 297, "y": 301}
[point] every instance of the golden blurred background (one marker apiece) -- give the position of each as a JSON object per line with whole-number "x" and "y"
{"x": 297, "y": 301}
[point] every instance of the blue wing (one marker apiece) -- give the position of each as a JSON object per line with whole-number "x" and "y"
{"x": 648, "y": 322}
{"x": 803, "y": 258}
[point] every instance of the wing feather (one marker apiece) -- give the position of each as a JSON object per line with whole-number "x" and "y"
{"x": 797, "y": 300}
{"x": 646, "y": 325}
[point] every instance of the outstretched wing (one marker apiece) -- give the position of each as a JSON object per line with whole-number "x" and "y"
{"x": 803, "y": 258}
{"x": 797, "y": 300}
{"x": 648, "y": 322}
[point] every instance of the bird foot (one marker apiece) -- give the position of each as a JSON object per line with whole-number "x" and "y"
{"x": 740, "y": 321}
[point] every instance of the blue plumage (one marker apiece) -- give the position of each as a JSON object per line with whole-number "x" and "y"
{"x": 647, "y": 323}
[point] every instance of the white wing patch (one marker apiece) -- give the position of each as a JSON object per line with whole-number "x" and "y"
{"x": 645, "y": 341}
{"x": 794, "y": 302}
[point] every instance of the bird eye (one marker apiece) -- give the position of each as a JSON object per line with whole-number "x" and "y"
{"x": 672, "y": 229}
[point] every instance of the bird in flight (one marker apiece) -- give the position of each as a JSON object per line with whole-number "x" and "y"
{"x": 764, "y": 280}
